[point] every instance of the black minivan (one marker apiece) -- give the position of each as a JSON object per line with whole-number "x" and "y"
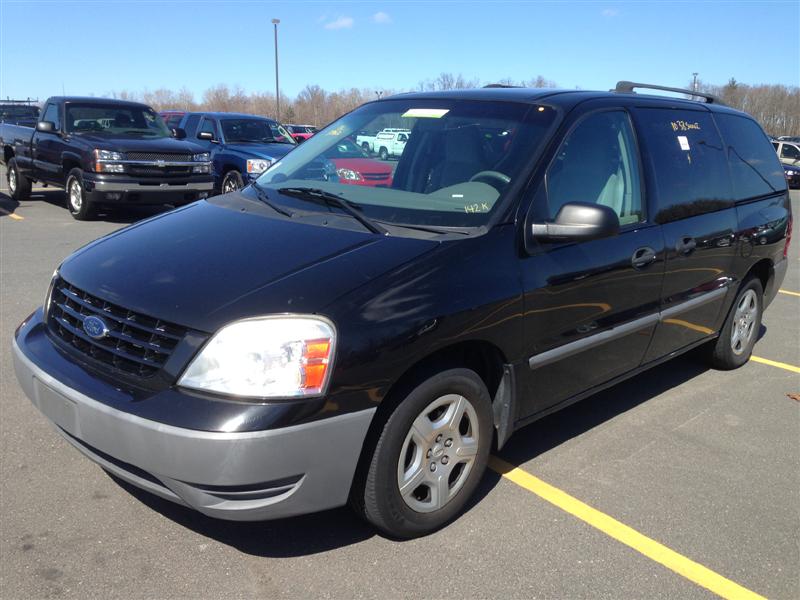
{"x": 305, "y": 341}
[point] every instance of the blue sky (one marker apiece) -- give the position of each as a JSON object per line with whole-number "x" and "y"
{"x": 93, "y": 47}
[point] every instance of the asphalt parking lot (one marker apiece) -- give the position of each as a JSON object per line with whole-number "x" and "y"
{"x": 691, "y": 477}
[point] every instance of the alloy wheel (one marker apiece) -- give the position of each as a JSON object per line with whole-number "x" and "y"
{"x": 12, "y": 181}
{"x": 744, "y": 320}
{"x": 438, "y": 453}
{"x": 75, "y": 195}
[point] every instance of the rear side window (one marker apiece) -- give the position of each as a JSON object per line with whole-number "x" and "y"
{"x": 173, "y": 121}
{"x": 755, "y": 167}
{"x": 688, "y": 161}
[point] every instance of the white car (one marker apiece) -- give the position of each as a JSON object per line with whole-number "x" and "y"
{"x": 367, "y": 141}
{"x": 788, "y": 152}
{"x": 390, "y": 144}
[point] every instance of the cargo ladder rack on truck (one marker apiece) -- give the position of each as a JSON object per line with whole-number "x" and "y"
{"x": 627, "y": 87}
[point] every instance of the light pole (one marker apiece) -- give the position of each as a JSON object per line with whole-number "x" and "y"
{"x": 277, "y": 87}
{"x": 694, "y": 82}
{"x": 379, "y": 94}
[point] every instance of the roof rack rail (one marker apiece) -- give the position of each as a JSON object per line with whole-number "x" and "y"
{"x": 627, "y": 87}
{"x": 501, "y": 85}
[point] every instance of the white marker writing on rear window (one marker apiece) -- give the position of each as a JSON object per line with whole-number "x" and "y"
{"x": 684, "y": 142}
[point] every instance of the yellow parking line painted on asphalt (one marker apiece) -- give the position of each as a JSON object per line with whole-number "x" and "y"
{"x": 775, "y": 363}
{"x": 650, "y": 548}
{"x": 12, "y": 215}
{"x": 789, "y": 293}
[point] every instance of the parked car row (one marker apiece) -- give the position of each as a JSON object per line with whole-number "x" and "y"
{"x": 113, "y": 151}
{"x": 104, "y": 152}
{"x": 788, "y": 150}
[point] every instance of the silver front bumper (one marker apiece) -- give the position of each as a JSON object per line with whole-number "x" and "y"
{"x": 237, "y": 476}
{"x": 132, "y": 186}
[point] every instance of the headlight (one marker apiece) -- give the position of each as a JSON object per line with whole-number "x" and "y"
{"x": 349, "y": 174}
{"x": 265, "y": 357}
{"x": 108, "y": 155}
{"x": 202, "y": 157}
{"x": 258, "y": 165}
{"x": 201, "y": 169}
{"x": 104, "y": 161}
{"x": 789, "y": 173}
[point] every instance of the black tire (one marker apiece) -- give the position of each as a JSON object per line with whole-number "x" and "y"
{"x": 365, "y": 147}
{"x": 377, "y": 495}
{"x": 383, "y": 153}
{"x": 80, "y": 207}
{"x": 231, "y": 182}
{"x": 725, "y": 352}
{"x": 19, "y": 186}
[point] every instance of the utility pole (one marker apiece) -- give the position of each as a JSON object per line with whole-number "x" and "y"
{"x": 379, "y": 94}
{"x": 277, "y": 86}
{"x": 694, "y": 82}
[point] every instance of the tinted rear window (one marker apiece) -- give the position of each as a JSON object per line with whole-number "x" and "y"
{"x": 688, "y": 160}
{"x": 755, "y": 167}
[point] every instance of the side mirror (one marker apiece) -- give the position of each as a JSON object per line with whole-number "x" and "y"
{"x": 578, "y": 222}
{"x": 205, "y": 135}
{"x": 46, "y": 126}
{"x": 179, "y": 133}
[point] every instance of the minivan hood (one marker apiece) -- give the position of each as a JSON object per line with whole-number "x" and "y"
{"x": 261, "y": 150}
{"x": 132, "y": 144}
{"x": 228, "y": 258}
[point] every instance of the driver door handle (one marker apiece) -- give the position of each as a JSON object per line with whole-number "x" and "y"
{"x": 643, "y": 257}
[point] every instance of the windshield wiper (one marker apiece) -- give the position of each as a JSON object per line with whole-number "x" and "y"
{"x": 262, "y": 195}
{"x": 429, "y": 229}
{"x": 322, "y": 197}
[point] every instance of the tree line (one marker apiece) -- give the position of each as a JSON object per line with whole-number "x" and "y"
{"x": 776, "y": 107}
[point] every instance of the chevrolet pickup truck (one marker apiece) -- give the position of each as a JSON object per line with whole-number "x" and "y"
{"x": 104, "y": 152}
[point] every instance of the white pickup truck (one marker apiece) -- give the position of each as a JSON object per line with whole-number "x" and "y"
{"x": 373, "y": 143}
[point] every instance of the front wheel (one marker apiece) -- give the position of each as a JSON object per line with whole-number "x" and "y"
{"x": 383, "y": 154}
{"x": 80, "y": 207}
{"x": 232, "y": 182}
{"x": 739, "y": 334}
{"x": 430, "y": 456}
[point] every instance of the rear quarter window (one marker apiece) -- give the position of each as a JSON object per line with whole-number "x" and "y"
{"x": 688, "y": 162}
{"x": 755, "y": 167}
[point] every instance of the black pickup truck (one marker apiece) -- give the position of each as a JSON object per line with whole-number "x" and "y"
{"x": 104, "y": 152}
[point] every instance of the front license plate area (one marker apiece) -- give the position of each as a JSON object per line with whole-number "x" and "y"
{"x": 56, "y": 407}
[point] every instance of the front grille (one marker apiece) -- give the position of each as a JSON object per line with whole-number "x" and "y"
{"x": 135, "y": 343}
{"x": 375, "y": 176}
{"x": 148, "y": 171}
{"x": 158, "y": 156}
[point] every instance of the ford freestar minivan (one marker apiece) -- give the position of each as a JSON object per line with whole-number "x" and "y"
{"x": 301, "y": 342}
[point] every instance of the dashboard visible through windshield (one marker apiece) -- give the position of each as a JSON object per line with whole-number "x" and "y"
{"x": 451, "y": 161}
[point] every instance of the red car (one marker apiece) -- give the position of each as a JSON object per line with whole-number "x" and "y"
{"x": 356, "y": 168}
{"x": 172, "y": 117}
{"x": 301, "y": 132}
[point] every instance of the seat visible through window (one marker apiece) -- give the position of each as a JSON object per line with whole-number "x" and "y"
{"x": 597, "y": 163}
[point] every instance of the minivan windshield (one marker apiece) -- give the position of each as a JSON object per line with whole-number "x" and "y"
{"x": 460, "y": 158}
{"x": 118, "y": 120}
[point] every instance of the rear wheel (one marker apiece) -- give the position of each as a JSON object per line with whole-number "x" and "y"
{"x": 383, "y": 154}
{"x": 19, "y": 186}
{"x": 80, "y": 207}
{"x": 739, "y": 334}
{"x": 232, "y": 182}
{"x": 430, "y": 456}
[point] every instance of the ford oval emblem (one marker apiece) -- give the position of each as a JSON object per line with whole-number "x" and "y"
{"x": 95, "y": 327}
